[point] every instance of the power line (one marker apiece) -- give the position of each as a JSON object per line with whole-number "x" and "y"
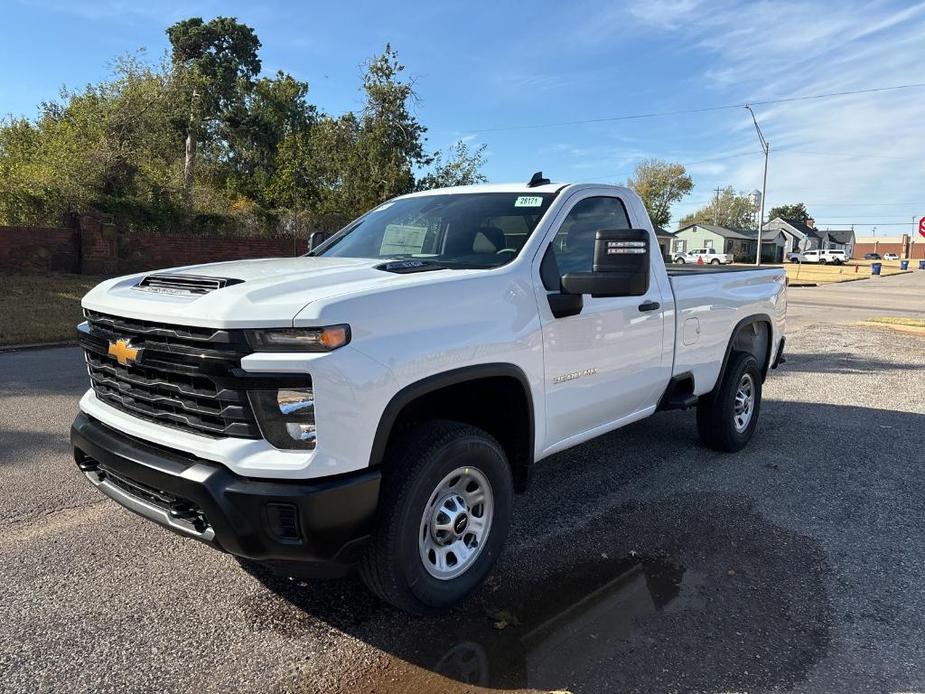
{"x": 704, "y": 109}
{"x": 872, "y": 224}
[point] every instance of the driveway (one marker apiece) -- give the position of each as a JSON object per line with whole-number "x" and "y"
{"x": 639, "y": 561}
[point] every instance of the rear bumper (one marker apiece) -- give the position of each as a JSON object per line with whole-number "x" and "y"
{"x": 322, "y": 524}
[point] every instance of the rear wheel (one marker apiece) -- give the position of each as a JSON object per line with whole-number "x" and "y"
{"x": 715, "y": 261}
{"x": 727, "y": 417}
{"x": 443, "y": 518}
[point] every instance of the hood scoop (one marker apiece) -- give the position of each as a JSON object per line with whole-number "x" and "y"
{"x": 184, "y": 284}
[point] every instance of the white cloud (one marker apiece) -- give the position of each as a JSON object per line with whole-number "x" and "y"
{"x": 860, "y": 148}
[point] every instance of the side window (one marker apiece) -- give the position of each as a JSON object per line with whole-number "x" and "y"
{"x": 574, "y": 243}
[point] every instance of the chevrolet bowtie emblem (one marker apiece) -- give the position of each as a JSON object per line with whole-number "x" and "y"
{"x": 124, "y": 353}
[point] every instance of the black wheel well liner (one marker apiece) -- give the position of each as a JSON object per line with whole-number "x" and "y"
{"x": 764, "y": 361}
{"x": 517, "y": 440}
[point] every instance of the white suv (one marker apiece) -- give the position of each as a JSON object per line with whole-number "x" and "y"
{"x": 708, "y": 256}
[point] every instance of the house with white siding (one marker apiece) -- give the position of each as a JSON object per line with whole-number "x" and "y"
{"x": 802, "y": 235}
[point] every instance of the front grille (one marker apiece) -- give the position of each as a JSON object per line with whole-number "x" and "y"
{"x": 184, "y": 377}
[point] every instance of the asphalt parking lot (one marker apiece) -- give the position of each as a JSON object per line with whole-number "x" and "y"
{"x": 639, "y": 561}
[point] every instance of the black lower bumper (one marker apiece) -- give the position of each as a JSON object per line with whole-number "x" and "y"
{"x": 322, "y": 524}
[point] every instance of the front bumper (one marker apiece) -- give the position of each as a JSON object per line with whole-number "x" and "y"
{"x": 322, "y": 524}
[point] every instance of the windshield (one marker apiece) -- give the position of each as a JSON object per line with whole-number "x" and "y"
{"x": 480, "y": 230}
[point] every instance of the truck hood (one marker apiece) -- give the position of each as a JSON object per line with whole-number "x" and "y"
{"x": 266, "y": 292}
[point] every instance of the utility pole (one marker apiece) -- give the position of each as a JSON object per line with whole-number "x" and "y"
{"x": 716, "y": 206}
{"x": 765, "y": 147}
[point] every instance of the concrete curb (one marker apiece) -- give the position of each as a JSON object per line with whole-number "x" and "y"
{"x": 37, "y": 345}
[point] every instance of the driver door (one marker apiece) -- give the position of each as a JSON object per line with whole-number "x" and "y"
{"x": 606, "y": 364}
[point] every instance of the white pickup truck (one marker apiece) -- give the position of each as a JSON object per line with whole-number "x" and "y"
{"x": 703, "y": 256}
{"x": 378, "y": 401}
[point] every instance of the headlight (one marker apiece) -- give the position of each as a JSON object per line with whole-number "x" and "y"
{"x": 286, "y": 416}
{"x": 299, "y": 339}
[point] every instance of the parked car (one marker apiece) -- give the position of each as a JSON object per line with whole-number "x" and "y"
{"x": 890, "y": 256}
{"x": 378, "y": 401}
{"x": 709, "y": 256}
{"x": 819, "y": 256}
{"x": 872, "y": 256}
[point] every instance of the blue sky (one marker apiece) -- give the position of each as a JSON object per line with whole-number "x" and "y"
{"x": 482, "y": 70}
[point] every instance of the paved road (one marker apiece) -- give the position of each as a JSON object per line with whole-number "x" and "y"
{"x": 639, "y": 561}
{"x": 895, "y": 295}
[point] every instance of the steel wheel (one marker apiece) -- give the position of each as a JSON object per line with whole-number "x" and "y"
{"x": 455, "y": 523}
{"x": 744, "y": 403}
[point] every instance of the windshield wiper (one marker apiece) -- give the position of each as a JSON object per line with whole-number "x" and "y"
{"x": 409, "y": 265}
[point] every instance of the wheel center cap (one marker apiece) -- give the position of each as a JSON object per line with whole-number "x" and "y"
{"x": 459, "y": 526}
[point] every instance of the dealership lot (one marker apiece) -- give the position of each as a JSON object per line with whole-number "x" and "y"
{"x": 637, "y": 561}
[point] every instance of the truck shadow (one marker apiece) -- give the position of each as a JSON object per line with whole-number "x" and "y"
{"x": 841, "y": 363}
{"x": 704, "y": 606}
{"x": 651, "y": 569}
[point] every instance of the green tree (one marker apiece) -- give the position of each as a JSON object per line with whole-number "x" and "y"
{"x": 795, "y": 211}
{"x": 729, "y": 209}
{"x": 276, "y": 109}
{"x": 463, "y": 168}
{"x": 215, "y": 64}
{"x": 660, "y": 184}
{"x": 391, "y": 140}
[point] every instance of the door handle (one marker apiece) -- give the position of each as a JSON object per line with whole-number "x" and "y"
{"x": 649, "y": 306}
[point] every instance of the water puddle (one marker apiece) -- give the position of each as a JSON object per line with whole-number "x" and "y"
{"x": 574, "y": 624}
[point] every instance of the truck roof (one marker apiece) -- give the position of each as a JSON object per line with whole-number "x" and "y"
{"x": 512, "y": 188}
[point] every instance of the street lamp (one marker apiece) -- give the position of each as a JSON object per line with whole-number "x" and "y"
{"x": 765, "y": 147}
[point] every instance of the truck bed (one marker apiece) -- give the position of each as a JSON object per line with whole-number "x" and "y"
{"x": 691, "y": 269}
{"x": 710, "y": 302}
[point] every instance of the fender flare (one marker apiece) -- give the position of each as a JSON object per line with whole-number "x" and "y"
{"x": 429, "y": 384}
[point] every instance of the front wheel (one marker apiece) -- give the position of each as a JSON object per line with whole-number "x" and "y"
{"x": 444, "y": 515}
{"x": 680, "y": 260}
{"x": 727, "y": 417}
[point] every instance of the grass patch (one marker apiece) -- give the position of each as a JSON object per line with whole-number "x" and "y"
{"x": 898, "y": 320}
{"x": 41, "y": 308}
{"x": 816, "y": 273}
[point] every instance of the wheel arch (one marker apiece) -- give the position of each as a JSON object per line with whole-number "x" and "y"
{"x": 505, "y": 392}
{"x": 753, "y": 334}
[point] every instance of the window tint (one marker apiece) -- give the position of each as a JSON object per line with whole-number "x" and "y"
{"x": 574, "y": 242}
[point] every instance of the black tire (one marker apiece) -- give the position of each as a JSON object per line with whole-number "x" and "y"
{"x": 680, "y": 261}
{"x": 715, "y": 261}
{"x": 716, "y": 411}
{"x": 392, "y": 567}
{"x": 822, "y": 261}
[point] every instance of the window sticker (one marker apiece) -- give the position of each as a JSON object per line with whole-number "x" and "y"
{"x": 528, "y": 201}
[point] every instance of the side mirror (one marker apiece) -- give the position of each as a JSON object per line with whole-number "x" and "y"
{"x": 620, "y": 266}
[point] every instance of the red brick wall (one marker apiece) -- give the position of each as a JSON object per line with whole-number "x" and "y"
{"x": 138, "y": 252}
{"x": 915, "y": 250}
{"x": 41, "y": 250}
{"x": 99, "y": 249}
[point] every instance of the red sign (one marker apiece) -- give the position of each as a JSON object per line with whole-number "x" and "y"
{"x": 922, "y": 226}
